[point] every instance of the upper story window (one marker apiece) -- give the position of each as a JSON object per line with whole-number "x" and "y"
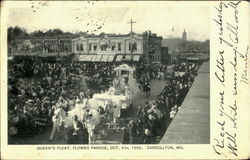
{"x": 81, "y": 47}
{"x": 52, "y": 48}
{"x": 113, "y": 48}
{"x": 104, "y": 47}
{"x": 132, "y": 46}
{"x": 77, "y": 47}
{"x": 119, "y": 47}
{"x": 90, "y": 47}
{"x": 65, "y": 46}
{"x": 94, "y": 47}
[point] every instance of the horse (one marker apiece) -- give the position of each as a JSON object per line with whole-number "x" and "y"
{"x": 83, "y": 115}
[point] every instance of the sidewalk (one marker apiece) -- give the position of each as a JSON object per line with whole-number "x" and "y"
{"x": 191, "y": 125}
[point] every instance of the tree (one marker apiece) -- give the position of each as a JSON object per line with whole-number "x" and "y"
{"x": 10, "y": 34}
{"x": 16, "y": 32}
{"x": 37, "y": 33}
{"x": 54, "y": 32}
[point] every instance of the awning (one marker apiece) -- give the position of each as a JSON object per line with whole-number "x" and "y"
{"x": 98, "y": 58}
{"x": 64, "y": 54}
{"x": 128, "y": 57}
{"x": 105, "y": 58}
{"x": 89, "y": 58}
{"x": 82, "y": 58}
{"x": 26, "y": 54}
{"x": 136, "y": 57}
{"x": 54, "y": 54}
{"x": 93, "y": 58}
{"x": 111, "y": 58}
{"x": 118, "y": 58}
{"x": 10, "y": 58}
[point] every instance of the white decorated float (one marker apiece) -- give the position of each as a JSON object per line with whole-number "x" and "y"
{"x": 121, "y": 94}
{"x": 123, "y": 91}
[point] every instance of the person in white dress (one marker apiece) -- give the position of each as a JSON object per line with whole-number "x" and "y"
{"x": 57, "y": 119}
{"x": 116, "y": 115}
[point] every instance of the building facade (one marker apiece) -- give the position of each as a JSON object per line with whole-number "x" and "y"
{"x": 152, "y": 47}
{"x": 103, "y": 47}
{"x": 41, "y": 46}
{"x": 108, "y": 44}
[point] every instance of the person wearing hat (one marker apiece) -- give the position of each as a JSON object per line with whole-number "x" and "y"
{"x": 91, "y": 127}
{"x": 85, "y": 135}
{"x": 132, "y": 131}
{"x": 172, "y": 113}
{"x": 116, "y": 115}
{"x": 77, "y": 134}
{"x": 139, "y": 112}
{"x": 125, "y": 136}
{"x": 56, "y": 126}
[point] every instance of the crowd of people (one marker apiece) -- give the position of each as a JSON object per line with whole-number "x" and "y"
{"x": 35, "y": 88}
{"x": 154, "y": 117}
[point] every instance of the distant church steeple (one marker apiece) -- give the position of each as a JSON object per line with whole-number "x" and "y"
{"x": 184, "y": 41}
{"x": 184, "y": 36}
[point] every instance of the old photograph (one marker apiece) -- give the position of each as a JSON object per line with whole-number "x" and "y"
{"x": 97, "y": 72}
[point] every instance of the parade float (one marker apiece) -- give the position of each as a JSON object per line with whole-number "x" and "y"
{"x": 120, "y": 95}
{"x": 123, "y": 91}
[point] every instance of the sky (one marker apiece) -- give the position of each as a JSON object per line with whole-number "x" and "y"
{"x": 165, "y": 19}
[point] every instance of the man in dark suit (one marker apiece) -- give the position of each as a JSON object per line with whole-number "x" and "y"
{"x": 77, "y": 125}
{"x": 125, "y": 137}
{"x": 84, "y": 135}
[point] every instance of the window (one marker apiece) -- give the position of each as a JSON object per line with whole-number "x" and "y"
{"x": 104, "y": 47}
{"x": 94, "y": 47}
{"x": 55, "y": 48}
{"x": 113, "y": 48}
{"x": 81, "y": 47}
{"x": 77, "y": 47}
{"x": 37, "y": 47}
{"x": 134, "y": 47}
{"x": 52, "y": 48}
{"x": 119, "y": 47}
{"x": 65, "y": 46}
{"x": 90, "y": 47}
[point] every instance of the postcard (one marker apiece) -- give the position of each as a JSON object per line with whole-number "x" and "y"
{"x": 125, "y": 80}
